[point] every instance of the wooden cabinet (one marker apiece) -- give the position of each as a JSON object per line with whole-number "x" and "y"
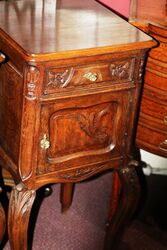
{"x": 69, "y": 95}
{"x": 152, "y": 127}
{"x": 91, "y": 127}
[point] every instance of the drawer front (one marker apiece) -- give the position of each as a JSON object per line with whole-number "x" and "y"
{"x": 151, "y": 139}
{"x": 157, "y": 82}
{"x": 154, "y": 110}
{"x": 74, "y": 76}
{"x": 83, "y": 132}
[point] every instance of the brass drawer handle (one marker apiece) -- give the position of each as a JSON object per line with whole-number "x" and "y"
{"x": 44, "y": 143}
{"x": 2, "y": 57}
{"x": 165, "y": 120}
{"x": 163, "y": 145}
{"x": 90, "y": 76}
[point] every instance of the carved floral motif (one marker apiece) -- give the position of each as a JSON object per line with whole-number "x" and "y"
{"x": 60, "y": 79}
{"x": 32, "y": 81}
{"x": 120, "y": 70}
{"x": 91, "y": 125}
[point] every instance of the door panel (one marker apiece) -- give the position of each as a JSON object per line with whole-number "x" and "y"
{"x": 84, "y": 131}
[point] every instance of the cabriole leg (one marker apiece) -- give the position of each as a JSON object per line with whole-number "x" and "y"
{"x": 20, "y": 205}
{"x": 129, "y": 197}
{"x": 2, "y": 221}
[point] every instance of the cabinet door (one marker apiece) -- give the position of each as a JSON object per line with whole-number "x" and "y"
{"x": 83, "y": 131}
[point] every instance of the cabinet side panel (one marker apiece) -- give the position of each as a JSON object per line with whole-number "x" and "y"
{"x": 11, "y": 87}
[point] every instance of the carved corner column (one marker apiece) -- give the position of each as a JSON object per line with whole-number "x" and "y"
{"x": 129, "y": 198}
{"x": 30, "y": 123}
{"x": 20, "y": 205}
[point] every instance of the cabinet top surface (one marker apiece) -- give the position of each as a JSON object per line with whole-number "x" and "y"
{"x": 50, "y": 26}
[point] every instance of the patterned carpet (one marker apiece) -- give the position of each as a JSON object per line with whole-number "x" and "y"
{"x": 83, "y": 226}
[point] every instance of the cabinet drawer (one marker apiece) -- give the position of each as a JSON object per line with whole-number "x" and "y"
{"x": 157, "y": 82}
{"x": 74, "y": 76}
{"x": 154, "y": 110}
{"x": 152, "y": 140}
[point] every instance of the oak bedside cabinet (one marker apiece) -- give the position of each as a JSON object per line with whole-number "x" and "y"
{"x": 70, "y": 80}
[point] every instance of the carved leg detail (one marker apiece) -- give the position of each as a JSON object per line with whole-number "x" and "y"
{"x": 129, "y": 197}
{"x": 2, "y": 221}
{"x": 20, "y": 205}
{"x": 66, "y": 195}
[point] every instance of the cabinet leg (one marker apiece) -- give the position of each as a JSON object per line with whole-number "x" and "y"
{"x": 129, "y": 198}
{"x": 115, "y": 193}
{"x": 66, "y": 195}
{"x": 20, "y": 205}
{"x": 2, "y": 221}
